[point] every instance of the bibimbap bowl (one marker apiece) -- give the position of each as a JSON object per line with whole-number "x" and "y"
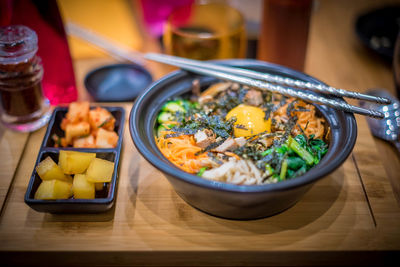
{"x": 224, "y": 199}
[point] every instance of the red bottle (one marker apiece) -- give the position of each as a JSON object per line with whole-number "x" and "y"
{"x": 44, "y": 18}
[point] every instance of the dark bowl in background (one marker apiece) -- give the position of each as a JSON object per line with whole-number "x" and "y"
{"x": 377, "y": 29}
{"x": 117, "y": 82}
{"x": 229, "y": 200}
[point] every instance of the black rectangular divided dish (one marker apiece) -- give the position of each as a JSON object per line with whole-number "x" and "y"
{"x": 105, "y": 198}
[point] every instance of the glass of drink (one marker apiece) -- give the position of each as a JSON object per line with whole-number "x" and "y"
{"x": 205, "y": 31}
{"x": 284, "y": 32}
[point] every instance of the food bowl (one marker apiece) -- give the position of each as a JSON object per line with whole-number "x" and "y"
{"x": 230, "y": 200}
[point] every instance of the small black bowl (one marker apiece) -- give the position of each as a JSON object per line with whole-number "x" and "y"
{"x": 117, "y": 82}
{"x": 104, "y": 199}
{"x": 229, "y": 200}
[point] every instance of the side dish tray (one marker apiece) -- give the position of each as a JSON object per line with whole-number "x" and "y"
{"x": 104, "y": 199}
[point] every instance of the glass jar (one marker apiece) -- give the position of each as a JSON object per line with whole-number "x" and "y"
{"x": 23, "y": 106}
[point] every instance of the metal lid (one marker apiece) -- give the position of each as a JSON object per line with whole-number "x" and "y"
{"x": 18, "y": 43}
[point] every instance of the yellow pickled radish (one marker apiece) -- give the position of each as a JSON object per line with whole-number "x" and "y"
{"x": 82, "y": 188}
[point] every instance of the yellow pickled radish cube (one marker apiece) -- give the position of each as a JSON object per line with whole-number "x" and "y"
{"x": 98, "y": 186}
{"x": 73, "y": 162}
{"x": 47, "y": 169}
{"x": 82, "y": 188}
{"x": 54, "y": 189}
{"x": 100, "y": 171}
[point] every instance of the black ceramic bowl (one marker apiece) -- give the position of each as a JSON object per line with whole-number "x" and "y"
{"x": 229, "y": 200}
{"x": 105, "y": 198}
{"x": 378, "y": 29}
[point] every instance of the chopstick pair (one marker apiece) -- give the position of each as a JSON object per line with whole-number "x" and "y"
{"x": 273, "y": 83}
{"x": 251, "y": 78}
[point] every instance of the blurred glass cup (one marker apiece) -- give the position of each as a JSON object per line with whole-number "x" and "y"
{"x": 284, "y": 32}
{"x": 207, "y": 31}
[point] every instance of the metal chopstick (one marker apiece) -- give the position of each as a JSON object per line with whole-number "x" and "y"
{"x": 278, "y": 79}
{"x": 116, "y": 50}
{"x": 286, "y": 91}
{"x": 137, "y": 57}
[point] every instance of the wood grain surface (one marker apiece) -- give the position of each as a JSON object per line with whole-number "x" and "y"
{"x": 350, "y": 217}
{"x": 346, "y": 211}
{"x": 11, "y": 148}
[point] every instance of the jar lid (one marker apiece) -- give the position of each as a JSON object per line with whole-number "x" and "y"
{"x": 18, "y": 43}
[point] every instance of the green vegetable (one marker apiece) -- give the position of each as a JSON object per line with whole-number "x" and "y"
{"x": 299, "y": 172}
{"x": 105, "y": 122}
{"x": 202, "y": 170}
{"x": 186, "y": 104}
{"x": 269, "y": 170}
{"x": 302, "y": 152}
{"x": 284, "y": 168}
{"x": 160, "y": 129}
{"x": 164, "y": 127}
{"x": 267, "y": 152}
{"x": 195, "y": 105}
{"x": 295, "y": 163}
{"x": 316, "y": 147}
{"x": 282, "y": 149}
{"x": 319, "y": 148}
{"x": 174, "y": 106}
{"x": 164, "y": 117}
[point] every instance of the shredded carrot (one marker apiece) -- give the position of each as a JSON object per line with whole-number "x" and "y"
{"x": 308, "y": 120}
{"x": 183, "y": 152}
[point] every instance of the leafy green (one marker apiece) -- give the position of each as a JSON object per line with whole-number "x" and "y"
{"x": 300, "y": 150}
{"x": 284, "y": 168}
{"x": 295, "y": 163}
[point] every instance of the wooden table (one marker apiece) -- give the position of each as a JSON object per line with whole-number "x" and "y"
{"x": 351, "y": 217}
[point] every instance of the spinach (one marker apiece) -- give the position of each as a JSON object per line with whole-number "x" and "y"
{"x": 317, "y": 147}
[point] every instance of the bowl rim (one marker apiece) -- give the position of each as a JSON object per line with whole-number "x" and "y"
{"x": 173, "y": 171}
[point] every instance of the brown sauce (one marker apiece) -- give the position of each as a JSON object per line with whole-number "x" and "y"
{"x": 20, "y": 87}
